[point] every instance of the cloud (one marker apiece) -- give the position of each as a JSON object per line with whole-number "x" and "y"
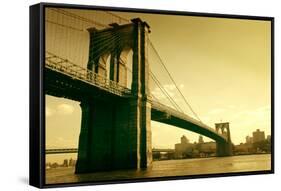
{"x": 170, "y": 89}
{"x": 258, "y": 114}
{"x": 65, "y": 109}
{"x": 175, "y": 95}
{"x": 258, "y": 118}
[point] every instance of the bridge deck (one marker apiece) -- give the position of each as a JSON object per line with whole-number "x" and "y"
{"x": 168, "y": 115}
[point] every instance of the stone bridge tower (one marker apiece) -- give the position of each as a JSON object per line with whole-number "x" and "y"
{"x": 117, "y": 135}
{"x": 224, "y": 148}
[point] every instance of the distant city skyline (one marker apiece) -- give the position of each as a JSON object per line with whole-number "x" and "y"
{"x": 257, "y": 135}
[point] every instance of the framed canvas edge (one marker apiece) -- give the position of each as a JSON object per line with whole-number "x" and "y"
{"x": 39, "y": 104}
{"x": 36, "y": 131}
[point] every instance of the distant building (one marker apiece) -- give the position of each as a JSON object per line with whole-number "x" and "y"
{"x": 268, "y": 138}
{"x": 72, "y": 162}
{"x": 200, "y": 140}
{"x": 243, "y": 148}
{"x": 54, "y": 165}
{"x": 258, "y": 136}
{"x": 249, "y": 140}
{"x": 65, "y": 163}
{"x": 184, "y": 140}
{"x": 184, "y": 148}
{"x": 207, "y": 149}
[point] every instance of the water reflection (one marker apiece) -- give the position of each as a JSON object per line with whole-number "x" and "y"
{"x": 168, "y": 168}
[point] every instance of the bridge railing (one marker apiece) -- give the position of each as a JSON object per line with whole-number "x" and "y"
{"x": 66, "y": 67}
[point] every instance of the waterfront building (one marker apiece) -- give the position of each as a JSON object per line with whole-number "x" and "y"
{"x": 200, "y": 140}
{"x": 258, "y": 136}
{"x": 208, "y": 147}
{"x": 65, "y": 163}
{"x": 249, "y": 140}
{"x": 184, "y": 148}
{"x": 243, "y": 148}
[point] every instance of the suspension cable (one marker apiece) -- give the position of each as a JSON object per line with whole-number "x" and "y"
{"x": 161, "y": 61}
{"x": 165, "y": 92}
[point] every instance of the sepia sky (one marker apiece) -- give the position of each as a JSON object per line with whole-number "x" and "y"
{"x": 222, "y": 67}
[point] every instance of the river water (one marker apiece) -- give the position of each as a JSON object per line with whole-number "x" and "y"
{"x": 168, "y": 168}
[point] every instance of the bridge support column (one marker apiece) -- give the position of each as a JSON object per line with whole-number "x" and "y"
{"x": 132, "y": 145}
{"x": 137, "y": 151}
{"x": 141, "y": 92}
{"x": 96, "y": 137}
{"x": 224, "y": 148}
{"x": 117, "y": 135}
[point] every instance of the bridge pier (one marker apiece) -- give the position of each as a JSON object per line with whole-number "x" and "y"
{"x": 118, "y": 135}
{"x": 95, "y": 138}
{"x": 224, "y": 148}
{"x": 114, "y": 136}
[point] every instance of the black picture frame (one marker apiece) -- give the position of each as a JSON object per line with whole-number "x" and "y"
{"x": 37, "y": 95}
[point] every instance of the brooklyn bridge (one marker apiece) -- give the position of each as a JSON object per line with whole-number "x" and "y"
{"x": 104, "y": 62}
